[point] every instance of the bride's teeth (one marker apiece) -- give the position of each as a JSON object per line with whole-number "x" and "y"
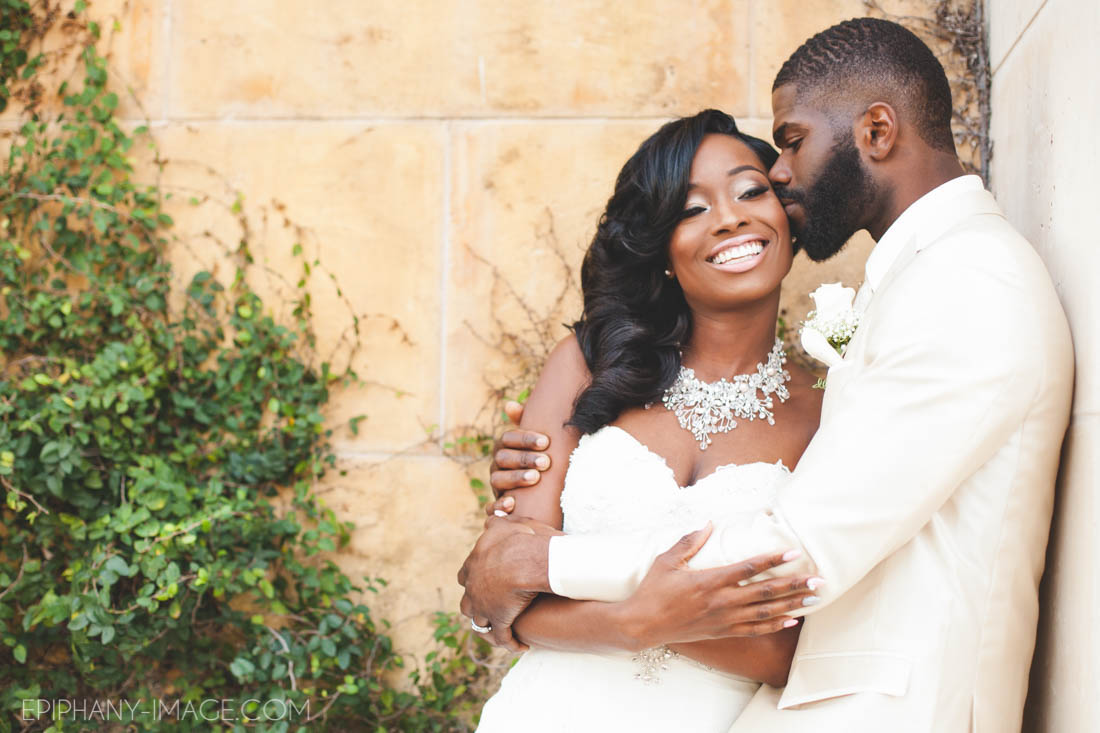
{"x": 733, "y": 253}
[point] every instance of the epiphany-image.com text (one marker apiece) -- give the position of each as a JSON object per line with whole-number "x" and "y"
{"x": 159, "y": 709}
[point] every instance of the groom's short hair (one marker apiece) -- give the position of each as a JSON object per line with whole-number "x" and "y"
{"x": 866, "y": 57}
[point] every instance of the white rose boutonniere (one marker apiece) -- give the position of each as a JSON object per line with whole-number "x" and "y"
{"x": 829, "y": 326}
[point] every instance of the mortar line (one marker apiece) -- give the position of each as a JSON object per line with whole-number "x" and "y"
{"x": 445, "y": 272}
{"x": 422, "y": 120}
{"x": 166, "y": 71}
{"x": 378, "y": 456}
{"x": 1019, "y": 37}
{"x": 752, "y": 58}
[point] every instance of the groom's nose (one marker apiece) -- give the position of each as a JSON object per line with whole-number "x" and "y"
{"x": 780, "y": 173}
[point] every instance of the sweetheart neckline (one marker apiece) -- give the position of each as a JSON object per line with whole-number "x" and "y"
{"x": 672, "y": 474}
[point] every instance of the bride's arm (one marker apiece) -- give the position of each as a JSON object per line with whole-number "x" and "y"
{"x": 762, "y": 658}
{"x": 550, "y": 405}
{"x": 554, "y": 622}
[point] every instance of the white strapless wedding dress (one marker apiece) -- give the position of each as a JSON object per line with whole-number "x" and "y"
{"x": 616, "y": 484}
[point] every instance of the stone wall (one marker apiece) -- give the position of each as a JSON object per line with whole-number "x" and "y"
{"x": 1045, "y": 111}
{"x": 447, "y": 161}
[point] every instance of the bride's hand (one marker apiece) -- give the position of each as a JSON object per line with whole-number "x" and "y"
{"x": 518, "y": 459}
{"x": 674, "y": 603}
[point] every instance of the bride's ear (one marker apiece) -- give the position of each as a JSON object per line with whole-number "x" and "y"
{"x": 877, "y": 131}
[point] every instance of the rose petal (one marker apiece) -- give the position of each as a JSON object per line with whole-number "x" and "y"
{"x": 832, "y": 298}
{"x": 817, "y": 346}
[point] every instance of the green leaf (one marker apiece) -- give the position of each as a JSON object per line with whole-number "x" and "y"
{"x": 119, "y": 566}
{"x": 20, "y": 654}
{"x": 242, "y": 668}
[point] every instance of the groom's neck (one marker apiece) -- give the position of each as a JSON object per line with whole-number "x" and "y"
{"x": 908, "y": 180}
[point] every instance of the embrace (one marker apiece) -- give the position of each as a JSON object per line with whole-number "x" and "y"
{"x": 695, "y": 539}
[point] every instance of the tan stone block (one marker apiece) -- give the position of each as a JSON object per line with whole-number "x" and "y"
{"x": 132, "y": 40}
{"x": 367, "y": 203}
{"x": 416, "y": 518}
{"x": 526, "y": 199}
{"x": 136, "y": 49}
{"x": 441, "y": 58}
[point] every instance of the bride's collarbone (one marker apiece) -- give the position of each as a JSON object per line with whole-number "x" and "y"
{"x": 658, "y": 430}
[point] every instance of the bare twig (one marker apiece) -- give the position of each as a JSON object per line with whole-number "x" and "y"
{"x": 18, "y": 576}
{"x": 289, "y": 661}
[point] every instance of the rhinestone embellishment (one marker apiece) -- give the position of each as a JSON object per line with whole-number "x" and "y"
{"x": 704, "y": 409}
{"x": 653, "y": 662}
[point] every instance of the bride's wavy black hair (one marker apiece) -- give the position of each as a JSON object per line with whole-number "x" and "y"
{"x": 635, "y": 319}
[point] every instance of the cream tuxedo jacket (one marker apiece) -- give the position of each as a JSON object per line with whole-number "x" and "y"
{"x": 925, "y": 498}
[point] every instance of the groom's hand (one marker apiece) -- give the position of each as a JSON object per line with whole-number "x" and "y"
{"x": 518, "y": 459}
{"x": 674, "y": 603}
{"x": 503, "y": 573}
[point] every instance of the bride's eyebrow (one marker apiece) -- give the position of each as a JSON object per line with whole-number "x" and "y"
{"x": 731, "y": 173}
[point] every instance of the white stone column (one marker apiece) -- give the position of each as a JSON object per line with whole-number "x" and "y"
{"x": 1046, "y": 110}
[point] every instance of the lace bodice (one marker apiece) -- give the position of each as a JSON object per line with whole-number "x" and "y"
{"x": 617, "y": 484}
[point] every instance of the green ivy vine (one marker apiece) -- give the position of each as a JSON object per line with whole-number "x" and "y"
{"x": 161, "y": 539}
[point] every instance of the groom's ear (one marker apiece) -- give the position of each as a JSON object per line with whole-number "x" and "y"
{"x": 877, "y": 131}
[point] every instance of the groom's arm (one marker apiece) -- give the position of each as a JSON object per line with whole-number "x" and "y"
{"x": 949, "y": 373}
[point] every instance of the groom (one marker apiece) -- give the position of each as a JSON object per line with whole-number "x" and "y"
{"x": 924, "y": 500}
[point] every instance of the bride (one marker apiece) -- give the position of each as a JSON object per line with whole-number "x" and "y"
{"x": 673, "y": 376}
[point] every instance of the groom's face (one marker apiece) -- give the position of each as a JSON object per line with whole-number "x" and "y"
{"x": 820, "y": 177}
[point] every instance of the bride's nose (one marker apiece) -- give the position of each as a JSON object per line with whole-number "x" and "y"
{"x": 729, "y": 215}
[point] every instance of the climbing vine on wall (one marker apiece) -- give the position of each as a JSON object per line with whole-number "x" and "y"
{"x": 161, "y": 542}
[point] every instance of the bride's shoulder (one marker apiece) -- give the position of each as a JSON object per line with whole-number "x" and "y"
{"x": 564, "y": 373}
{"x": 566, "y": 360}
{"x": 567, "y": 352}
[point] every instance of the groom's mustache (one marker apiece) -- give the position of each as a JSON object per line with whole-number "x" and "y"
{"x": 789, "y": 195}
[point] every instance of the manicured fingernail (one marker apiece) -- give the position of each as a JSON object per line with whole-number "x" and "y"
{"x": 811, "y": 601}
{"x": 791, "y": 555}
{"x": 510, "y": 502}
{"x": 530, "y": 475}
{"x": 790, "y": 622}
{"x": 541, "y": 442}
{"x": 542, "y": 462}
{"x": 815, "y": 583}
{"x": 500, "y": 513}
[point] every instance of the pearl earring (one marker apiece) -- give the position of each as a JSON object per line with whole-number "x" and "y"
{"x": 669, "y": 275}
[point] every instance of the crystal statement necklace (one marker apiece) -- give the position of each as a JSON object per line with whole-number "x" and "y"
{"x": 705, "y": 409}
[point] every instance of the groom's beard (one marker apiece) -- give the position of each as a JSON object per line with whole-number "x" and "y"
{"x": 834, "y": 203}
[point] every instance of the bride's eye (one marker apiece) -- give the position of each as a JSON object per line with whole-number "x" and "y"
{"x": 692, "y": 211}
{"x": 755, "y": 191}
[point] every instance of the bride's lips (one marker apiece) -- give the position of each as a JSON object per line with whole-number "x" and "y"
{"x": 748, "y": 251}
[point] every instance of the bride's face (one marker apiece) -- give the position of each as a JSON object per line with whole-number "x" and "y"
{"x": 733, "y": 246}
